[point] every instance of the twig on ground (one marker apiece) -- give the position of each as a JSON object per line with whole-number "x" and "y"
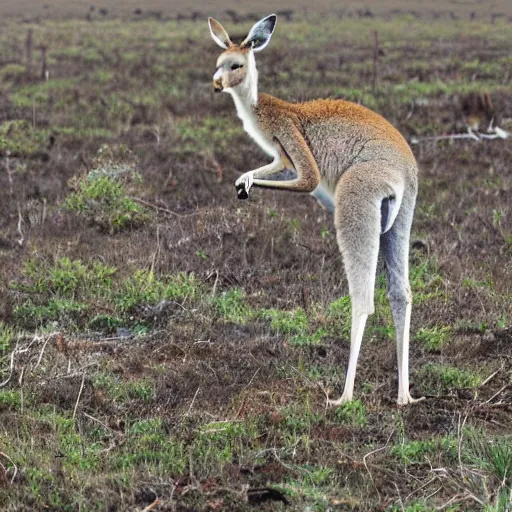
{"x": 21, "y": 240}
{"x": 399, "y": 497}
{"x": 473, "y": 135}
{"x": 11, "y": 369}
{"x": 75, "y": 374}
{"x": 372, "y": 453}
{"x": 50, "y": 336}
{"x": 157, "y": 251}
{"x": 488, "y": 379}
{"x": 78, "y": 397}
{"x": 460, "y": 427}
{"x": 2, "y": 454}
{"x": 497, "y": 393}
{"x": 106, "y": 427}
{"x": 160, "y": 209}
{"x": 192, "y": 403}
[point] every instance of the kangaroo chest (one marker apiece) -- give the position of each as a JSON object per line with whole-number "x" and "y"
{"x": 250, "y": 123}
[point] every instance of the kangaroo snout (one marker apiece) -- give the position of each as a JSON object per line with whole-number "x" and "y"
{"x": 217, "y": 81}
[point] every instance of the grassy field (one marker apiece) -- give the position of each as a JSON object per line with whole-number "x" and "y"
{"x": 181, "y": 9}
{"x": 160, "y": 339}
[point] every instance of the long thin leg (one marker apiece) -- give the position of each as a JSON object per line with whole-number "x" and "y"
{"x": 358, "y": 226}
{"x": 356, "y": 337}
{"x": 395, "y": 249}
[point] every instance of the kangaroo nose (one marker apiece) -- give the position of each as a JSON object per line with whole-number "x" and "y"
{"x": 217, "y": 81}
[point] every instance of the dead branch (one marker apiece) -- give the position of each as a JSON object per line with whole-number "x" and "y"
{"x": 497, "y": 133}
{"x": 2, "y": 454}
{"x": 79, "y": 395}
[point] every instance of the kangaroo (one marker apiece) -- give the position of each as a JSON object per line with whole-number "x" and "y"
{"x": 354, "y": 162}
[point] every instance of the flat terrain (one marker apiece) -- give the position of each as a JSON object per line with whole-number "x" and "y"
{"x": 160, "y": 339}
{"x": 108, "y": 9}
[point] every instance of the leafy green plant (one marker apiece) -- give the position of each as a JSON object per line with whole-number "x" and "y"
{"x": 231, "y": 306}
{"x": 9, "y": 399}
{"x": 353, "y": 413}
{"x": 339, "y": 316}
{"x": 102, "y": 197}
{"x": 286, "y": 322}
{"x": 426, "y": 281}
{"x": 433, "y": 338}
{"x": 144, "y": 288}
{"x": 306, "y": 339}
{"x": 413, "y": 451}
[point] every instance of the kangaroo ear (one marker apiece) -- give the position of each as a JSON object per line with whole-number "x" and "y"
{"x": 260, "y": 34}
{"x": 219, "y": 35}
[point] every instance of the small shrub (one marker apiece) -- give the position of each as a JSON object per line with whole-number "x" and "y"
{"x": 65, "y": 311}
{"x": 102, "y": 196}
{"x": 144, "y": 288}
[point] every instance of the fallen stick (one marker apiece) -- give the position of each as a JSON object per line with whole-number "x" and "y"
{"x": 498, "y": 133}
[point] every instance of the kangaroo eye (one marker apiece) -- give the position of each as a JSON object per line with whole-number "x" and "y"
{"x": 236, "y": 66}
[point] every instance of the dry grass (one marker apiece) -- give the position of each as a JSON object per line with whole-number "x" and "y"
{"x": 185, "y": 357}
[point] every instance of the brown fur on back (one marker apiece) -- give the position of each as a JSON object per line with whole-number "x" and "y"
{"x": 357, "y": 118}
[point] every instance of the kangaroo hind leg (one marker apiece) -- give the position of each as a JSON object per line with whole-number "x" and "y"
{"x": 395, "y": 250}
{"x": 358, "y": 220}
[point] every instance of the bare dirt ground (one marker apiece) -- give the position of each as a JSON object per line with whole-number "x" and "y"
{"x": 161, "y": 340}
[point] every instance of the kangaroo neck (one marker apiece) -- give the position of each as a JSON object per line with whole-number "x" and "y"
{"x": 245, "y": 97}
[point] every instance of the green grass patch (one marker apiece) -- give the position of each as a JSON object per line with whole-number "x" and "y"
{"x": 287, "y": 322}
{"x": 438, "y": 378}
{"x": 433, "y": 338}
{"x": 9, "y": 399}
{"x": 75, "y": 294}
{"x": 232, "y": 307}
{"x": 490, "y": 454}
{"x": 305, "y": 339}
{"x": 444, "y": 448}
{"x": 339, "y": 316}
{"x": 426, "y": 281}
{"x": 124, "y": 391}
{"x": 21, "y": 139}
{"x": 353, "y": 413}
{"x": 103, "y": 201}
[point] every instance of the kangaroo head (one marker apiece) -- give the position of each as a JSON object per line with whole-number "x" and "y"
{"x": 235, "y": 65}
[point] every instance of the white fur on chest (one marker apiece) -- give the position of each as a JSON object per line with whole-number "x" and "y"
{"x": 246, "y": 114}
